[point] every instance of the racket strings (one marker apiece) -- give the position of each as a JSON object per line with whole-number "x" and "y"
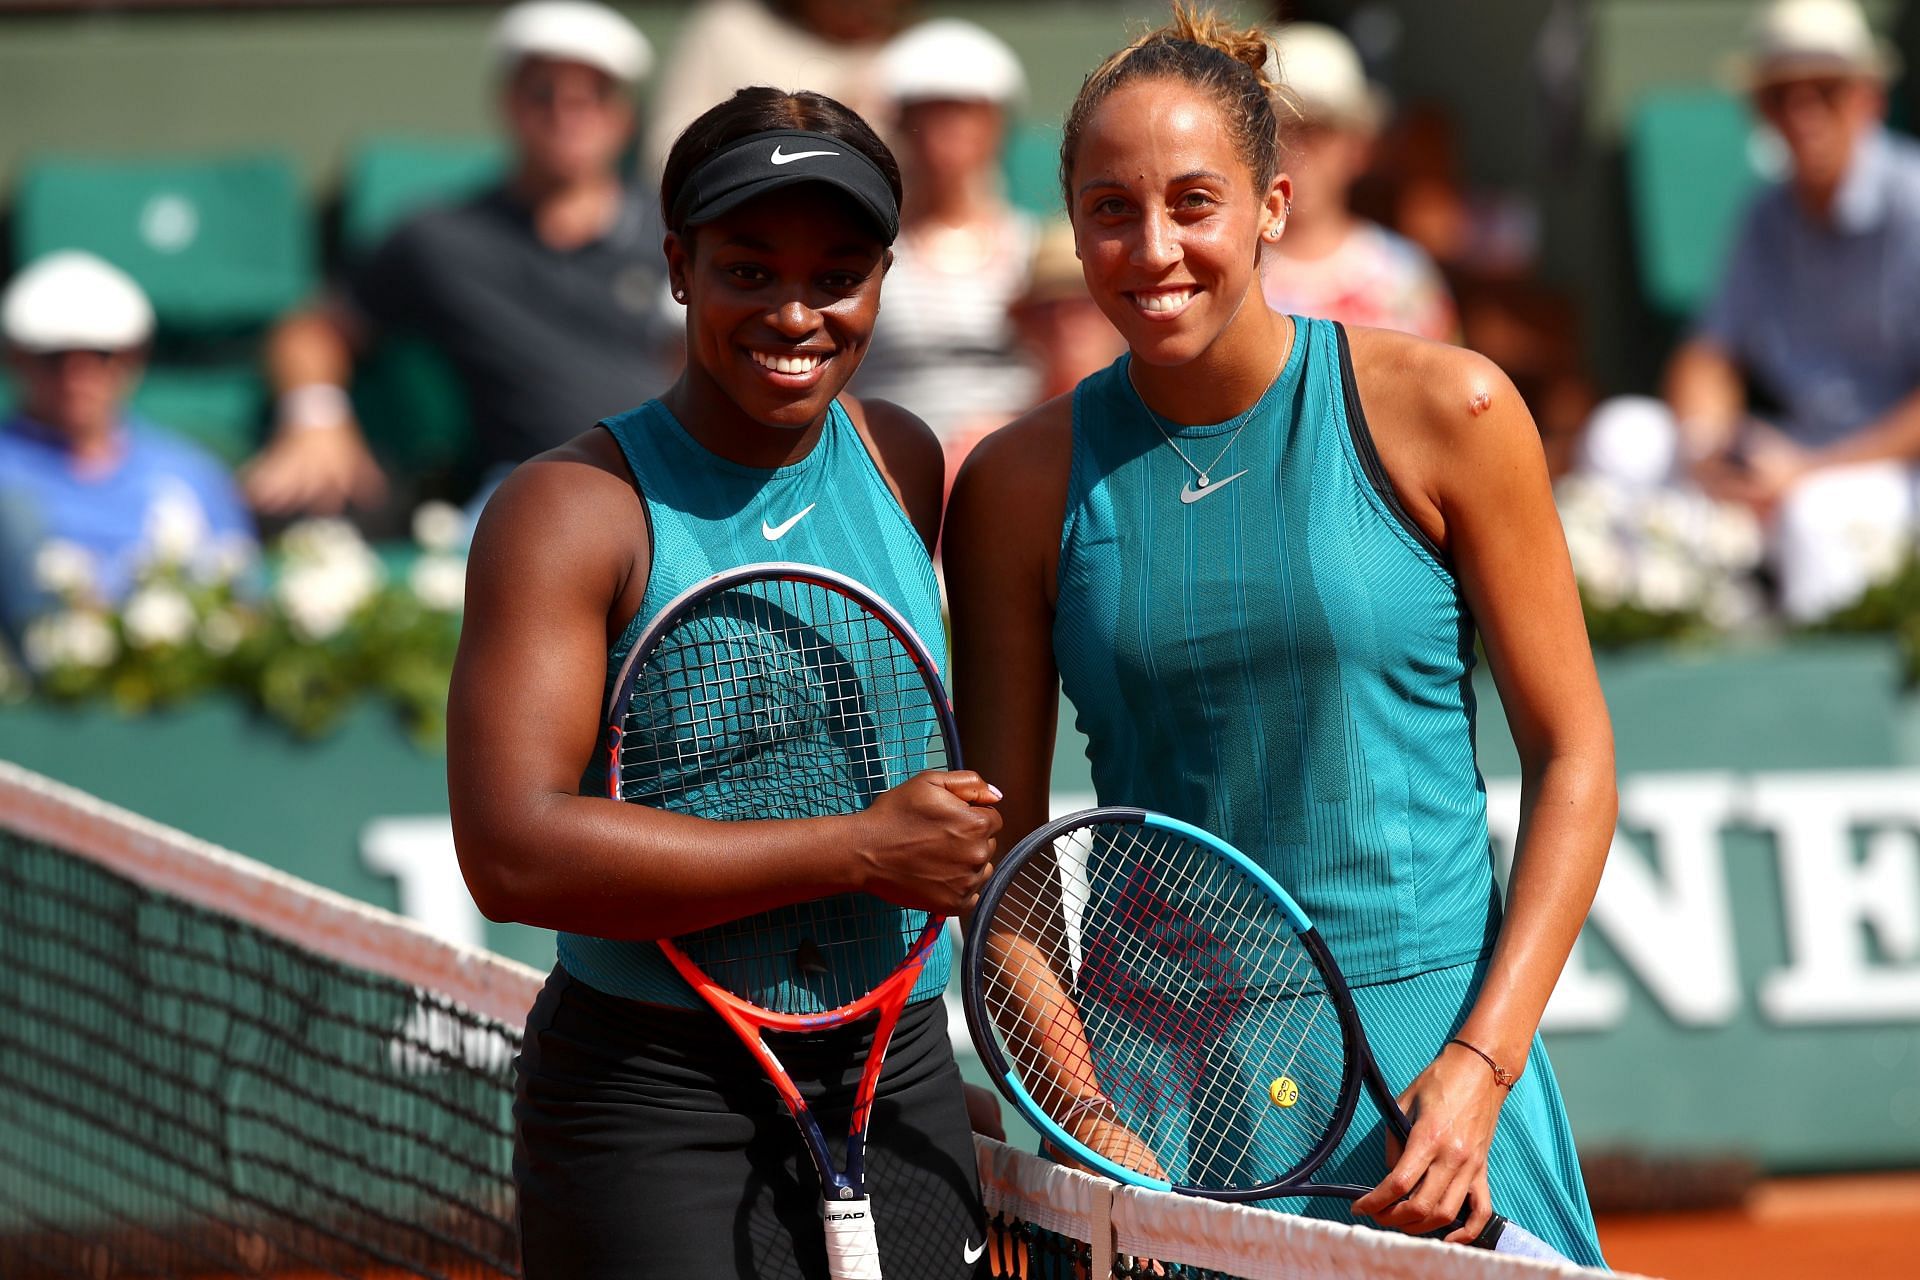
{"x": 783, "y": 698}
{"x": 1133, "y": 964}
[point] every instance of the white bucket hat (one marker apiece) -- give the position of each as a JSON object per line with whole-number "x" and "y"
{"x": 1791, "y": 39}
{"x": 73, "y": 301}
{"x": 950, "y": 60}
{"x": 572, "y": 31}
{"x": 1321, "y": 70}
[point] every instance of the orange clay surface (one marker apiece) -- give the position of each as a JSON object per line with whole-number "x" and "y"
{"x": 1852, "y": 1227}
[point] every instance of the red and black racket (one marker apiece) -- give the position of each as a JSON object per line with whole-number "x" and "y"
{"x": 788, "y": 691}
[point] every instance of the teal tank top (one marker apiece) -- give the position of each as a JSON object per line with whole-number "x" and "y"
{"x": 705, "y": 514}
{"x": 1285, "y": 659}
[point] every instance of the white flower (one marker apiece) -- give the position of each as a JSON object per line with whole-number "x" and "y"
{"x": 1733, "y": 538}
{"x": 222, "y": 632}
{"x": 326, "y": 539}
{"x": 320, "y": 595}
{"x": 440, "y": 582}
{"x": 1602, "y": 569}
{"x": 438, "y": 526}
{"x": 70, "y": 638}
{"x": 1666, "y": 516}
{"x": 1879, "y": 547}
{"x": 63, "y": 568}
{"x": 227, "y": 560}
{"x": 156, "y": 616}
{"x": 1665, "y": 583}
{"x": 176, "y": 526}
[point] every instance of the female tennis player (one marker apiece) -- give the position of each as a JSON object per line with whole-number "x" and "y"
{"x": 648, "y": 1140}
{"x": 1256, "y": 551}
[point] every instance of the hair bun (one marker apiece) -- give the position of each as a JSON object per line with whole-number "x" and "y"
{"x": 1247, "y": 45}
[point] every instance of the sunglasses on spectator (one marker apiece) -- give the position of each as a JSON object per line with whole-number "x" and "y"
{"x": 1825, "y": 90}
{"x": 55, "y": 357}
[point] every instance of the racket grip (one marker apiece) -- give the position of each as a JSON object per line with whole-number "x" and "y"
{"x": 852, "y": 1251}
{"x": 1518, "y": 1242}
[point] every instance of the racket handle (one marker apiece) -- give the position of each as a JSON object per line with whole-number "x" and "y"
{"x": 1502, "y": 1236}
{"x": 852, "y": 1251}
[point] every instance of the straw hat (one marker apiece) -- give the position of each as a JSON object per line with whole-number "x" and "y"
{"x": 1794, "y": 39}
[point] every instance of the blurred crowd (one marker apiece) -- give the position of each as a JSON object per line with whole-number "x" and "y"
{"x": 1780, "y": 450}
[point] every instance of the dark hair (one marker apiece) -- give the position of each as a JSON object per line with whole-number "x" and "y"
{"x": 1202, "y": 49}
{"x": 763, "y": 109}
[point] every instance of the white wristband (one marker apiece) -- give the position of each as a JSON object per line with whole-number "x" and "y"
{"x": 316, "y": 404}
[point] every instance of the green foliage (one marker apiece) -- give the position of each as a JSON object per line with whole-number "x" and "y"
{"x": 1891, "y": 607}
{"x": 329, "y": 625}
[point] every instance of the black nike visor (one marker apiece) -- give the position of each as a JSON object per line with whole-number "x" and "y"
{"x": 766, "y": 162}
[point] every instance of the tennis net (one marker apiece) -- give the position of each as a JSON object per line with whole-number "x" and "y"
{"x": 208, "y": 1068}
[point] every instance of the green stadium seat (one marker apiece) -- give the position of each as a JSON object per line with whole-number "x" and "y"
{"x": 1690, "y": 172}
{"x": 1032, "y": 165}
{"x": 389, "y": 178}
{"x": 220, "y": 245}
{"x": 219, "y": 405}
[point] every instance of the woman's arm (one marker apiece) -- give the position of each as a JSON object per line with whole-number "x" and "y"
{"x": 1465, "y": 458}
{"x": 1001, "y": 548}
{"x": 554, "y": 552}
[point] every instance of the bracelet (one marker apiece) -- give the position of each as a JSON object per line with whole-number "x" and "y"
{"x": 1501, "y": 1076}
{"x": 314, "y": 404}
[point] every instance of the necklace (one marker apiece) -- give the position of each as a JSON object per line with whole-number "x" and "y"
{"x": 1203, "y": 482}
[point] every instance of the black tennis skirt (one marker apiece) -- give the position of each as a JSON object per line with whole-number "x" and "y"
{"x": 648, "y": 1142}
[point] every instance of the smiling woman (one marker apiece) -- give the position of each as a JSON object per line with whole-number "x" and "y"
{"x": 647, "y": 1134}
{"x": 1255, "y": 552}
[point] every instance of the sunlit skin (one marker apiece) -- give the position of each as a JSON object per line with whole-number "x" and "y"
{"x": 79, "y": 394}
{"x": 1165, "y": 216}
{"x": 796, "y": 275}
{"x": 1169, "y": 225}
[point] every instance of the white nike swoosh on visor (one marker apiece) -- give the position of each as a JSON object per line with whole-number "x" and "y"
{"x": 790, "y": 157}
{"x": 1191, "y": 495}
{"x": 775, "y": 532}
{"x": 971, "y": 1252}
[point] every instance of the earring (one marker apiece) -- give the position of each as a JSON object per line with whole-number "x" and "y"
{"x": 1286, "y": 210}
{"x": 679, "y": 295}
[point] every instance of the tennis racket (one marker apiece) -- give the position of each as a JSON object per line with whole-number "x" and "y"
{"x": 1161, "y": 1010}
{"x": 788, "y": 691}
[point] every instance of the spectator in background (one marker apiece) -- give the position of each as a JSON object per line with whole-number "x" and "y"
{"x": 828, "y": 46}
{"x": 1819, "y": 308}
{"x": 76, "y": 467}
{"x": 547, "y": 293}
{"x": 1331, "y": 263}
{"x": 1062, "y": 330}
{"x": 944, "y": 346}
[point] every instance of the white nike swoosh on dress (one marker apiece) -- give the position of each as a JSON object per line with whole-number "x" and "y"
{"x": 790, "y": 157}
{"x": 971, "y": 1252}
{"x": 775, "y": 532}
{"x": 1191, "y": 495}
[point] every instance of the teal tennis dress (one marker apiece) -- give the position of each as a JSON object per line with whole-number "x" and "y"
{"x": 1283, "y": 657}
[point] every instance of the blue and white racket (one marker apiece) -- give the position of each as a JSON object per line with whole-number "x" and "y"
{"x": 1164, "y": 1012}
